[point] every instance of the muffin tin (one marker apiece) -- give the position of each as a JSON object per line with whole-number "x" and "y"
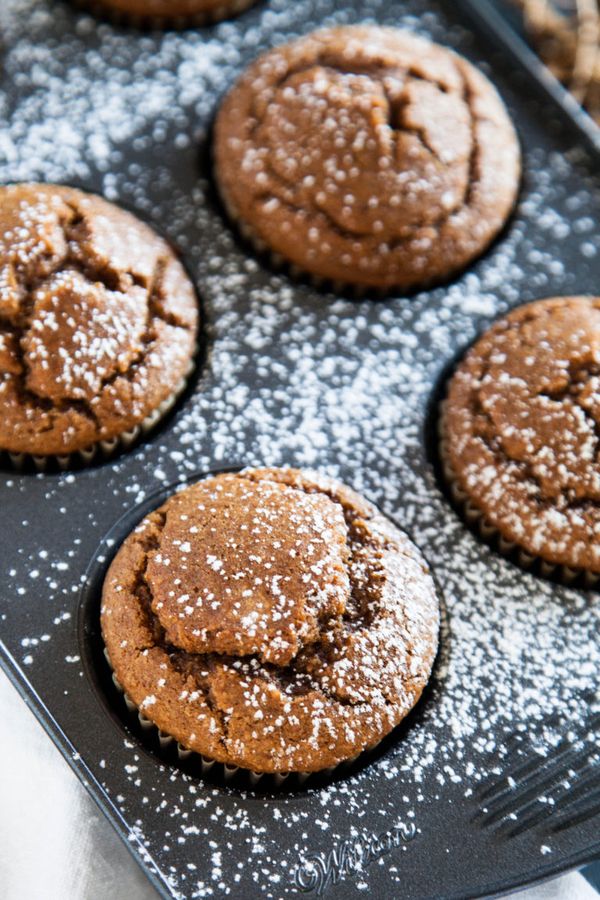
{"x": 494, "y": 780}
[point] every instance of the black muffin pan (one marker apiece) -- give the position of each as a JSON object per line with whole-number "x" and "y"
{"x": 494, "y": 781}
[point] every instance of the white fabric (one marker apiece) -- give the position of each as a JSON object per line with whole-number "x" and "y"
{"x": 55, "y": 844}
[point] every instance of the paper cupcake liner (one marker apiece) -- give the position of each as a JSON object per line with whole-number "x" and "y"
{"x": 102, "y": 449}
{"x": 477, "y": 520}
{"x": 225, "y": 10}
{"x": 224, "y": 771}
{"x": 280, "y": 263}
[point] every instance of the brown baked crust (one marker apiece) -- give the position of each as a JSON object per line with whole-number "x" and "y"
{"x": 323, "y": 632}
{"x": 98, "y": 320}
{"x": 367, "y": 156}
{"x": 521, "y": 425}
{"x": 167, "y": 12}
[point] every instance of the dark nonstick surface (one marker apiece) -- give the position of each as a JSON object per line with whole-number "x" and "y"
{"x": 494, "y": 780}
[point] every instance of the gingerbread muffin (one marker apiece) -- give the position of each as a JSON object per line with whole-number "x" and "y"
{"x": 520, "y": 431}
{"x": 167, "y": 12}
{"x": 367, "y": 156}
{"x": 98, "y": 324}
{"x": 271, "y": 620}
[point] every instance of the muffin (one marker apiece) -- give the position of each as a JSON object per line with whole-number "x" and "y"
{"x": 367, "y": 157}
{"x": 271, "y": 620}
{"x": 168, "y": 12}
{"x": 98, "y": 324}
{"x": 520, "y": 431}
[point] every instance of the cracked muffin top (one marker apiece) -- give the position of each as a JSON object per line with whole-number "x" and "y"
{"x": 271, "y": 619}
{"x": 98, "y": 320}
{"x": 367, "y": 156}
{"x": 170, "y": 11}
{"x": 521, "y": 427}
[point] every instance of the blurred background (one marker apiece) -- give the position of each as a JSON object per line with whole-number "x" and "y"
{"x": 566, "y": 34}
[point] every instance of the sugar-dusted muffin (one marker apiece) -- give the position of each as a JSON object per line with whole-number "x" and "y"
{"x": 98, "y": 323}
{"x": 271, "y": 620}
{"x": 520, "y": 432}
{"x": 367, "y": 156}
{"x": 168, "y": 12}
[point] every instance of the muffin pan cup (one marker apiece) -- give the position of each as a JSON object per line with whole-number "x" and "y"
{"x": 224, "y": 773}
{"x": 452, "y": 801}
{"x": 103, "y": 450}
{"x": 298, "y": 274}
{"x": 167, "y": 747}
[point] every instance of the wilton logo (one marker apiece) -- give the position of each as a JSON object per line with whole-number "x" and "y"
{"x": 317, "y": 872}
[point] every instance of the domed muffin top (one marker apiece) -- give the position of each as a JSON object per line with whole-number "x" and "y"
{"x": 97, "y": 320}
{"x": 260, "y": 567}
{"x": 521, "y": 427}
{"x": 271, "y": 619}
{"x": 367, "y": 155}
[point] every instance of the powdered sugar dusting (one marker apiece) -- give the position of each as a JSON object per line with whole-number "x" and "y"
{"x": 292, "y": 377}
